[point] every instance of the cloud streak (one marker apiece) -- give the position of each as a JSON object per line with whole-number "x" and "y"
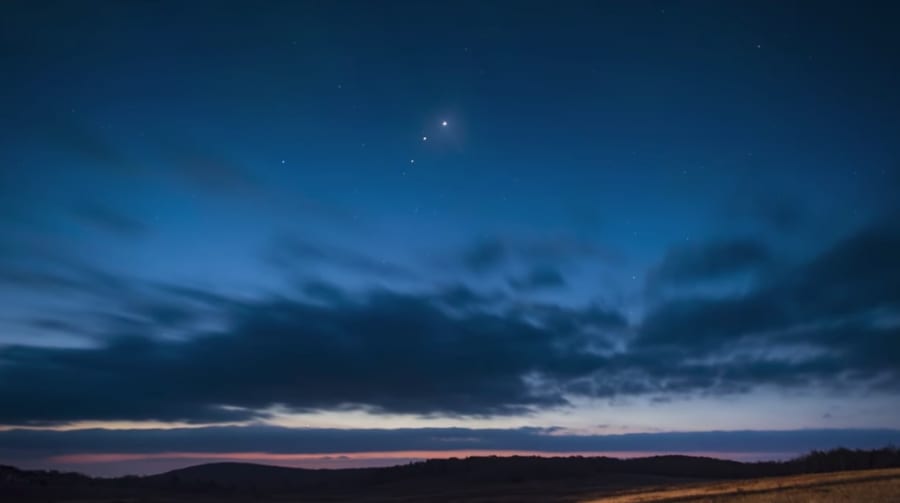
{"x": 324, "y": 441}
{"x": 830, "y": 322}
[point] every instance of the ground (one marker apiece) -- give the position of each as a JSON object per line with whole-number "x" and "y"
{"x": 873, "y": 486}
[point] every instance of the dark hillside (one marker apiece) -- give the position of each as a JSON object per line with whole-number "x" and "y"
{"x": 529, "y": 477}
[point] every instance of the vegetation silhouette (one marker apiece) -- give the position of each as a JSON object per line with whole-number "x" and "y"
{"x": 551, "y": 478}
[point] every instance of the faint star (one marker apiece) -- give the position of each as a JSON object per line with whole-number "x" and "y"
{"x": 424, "y": 138}
{"x": 283, "y": 161}
{"x": 412, "y": 161}
{"x": 759, "y": 46}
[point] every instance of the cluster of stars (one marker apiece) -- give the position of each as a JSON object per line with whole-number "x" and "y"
{"x": 444, "y": 124}
{"x": 417, "y": 209}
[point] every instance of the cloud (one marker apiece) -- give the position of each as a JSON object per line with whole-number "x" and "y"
{"x": 105, "y": 218}
{"x": 277, "y": 440}
{"x": 460, "y": 296}
{"x": 293, "y": 254}
{"x": 494, "y": 253}
{"x": 539, "y": 278}
{"x": 830, "y": 322}
{"x": 81, "y": 140}
{"x": 45, "y": 270}
{"x": 485, "y": 255}
{"x": 855, "y": 278}
{"x": 784, "y": 214}
{"x": 209, "y": 169}
{"x": 386, "y": 351}
{"x": 770, "y": 210}
{"x": 78, "y": 298}
{"x": 710, "y": 261}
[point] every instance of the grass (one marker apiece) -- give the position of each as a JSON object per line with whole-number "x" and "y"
{"x": 840, "y": 487}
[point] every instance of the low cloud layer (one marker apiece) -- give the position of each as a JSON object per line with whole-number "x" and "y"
{"x": 44, "y": 443}
{"x": 177, "y": 353}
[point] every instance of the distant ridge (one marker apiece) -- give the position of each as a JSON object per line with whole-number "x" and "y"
{"x": 480, "y": 470}
{"x": 478, "y": 475}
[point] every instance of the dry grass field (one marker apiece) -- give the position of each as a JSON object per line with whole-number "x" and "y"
{"x": 875, "y": 486}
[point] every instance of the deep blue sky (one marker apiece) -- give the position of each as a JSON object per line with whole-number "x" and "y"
{"x": 626, "y": 216}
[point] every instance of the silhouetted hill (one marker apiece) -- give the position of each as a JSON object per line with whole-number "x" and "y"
{"x": 236, "y": 474}
{"x": 494, "y": 469}
{"x": 527, "y": 478}
{"x": 477, "y": 470}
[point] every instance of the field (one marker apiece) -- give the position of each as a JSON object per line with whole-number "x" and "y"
{"x": 841, "y": 487}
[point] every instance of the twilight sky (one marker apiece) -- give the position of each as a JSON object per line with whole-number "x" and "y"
{"x": 356, "y": 233}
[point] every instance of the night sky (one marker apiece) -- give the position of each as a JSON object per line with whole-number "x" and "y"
{"x": 356, "y": 233}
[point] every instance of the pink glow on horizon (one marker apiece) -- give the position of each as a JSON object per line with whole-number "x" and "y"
{"x": 311, "y": 459}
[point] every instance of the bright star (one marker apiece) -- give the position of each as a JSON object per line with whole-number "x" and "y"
{"x": 443, "y": 123}
{"x": 424, "y": 138}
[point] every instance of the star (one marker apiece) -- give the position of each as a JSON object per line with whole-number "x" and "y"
{"x": 412, "y": 161}
{"x": 424, "y": 138}
{"x": 444, "y": 123}
{"x": 283, "y": 161}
